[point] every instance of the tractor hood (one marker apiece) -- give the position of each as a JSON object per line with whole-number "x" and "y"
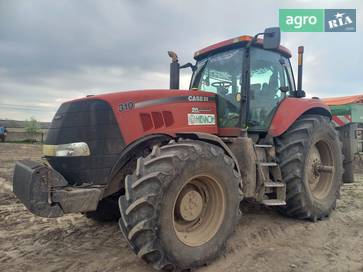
{"x": 127, "y": 100}
{"x": 138, "y": 95}
{"x": 88, "y": 134}
{"x": 160, "y": 111}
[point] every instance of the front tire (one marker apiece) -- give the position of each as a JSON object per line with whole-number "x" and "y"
{"x": 180, "y": 205}
{"x": 311, "y": 164}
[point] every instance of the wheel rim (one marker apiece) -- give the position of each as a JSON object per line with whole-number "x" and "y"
{"x": 320, "y": 169}
{"x": 198, "y": 211}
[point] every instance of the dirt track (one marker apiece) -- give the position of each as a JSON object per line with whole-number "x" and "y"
{"x": 264, "y": 240}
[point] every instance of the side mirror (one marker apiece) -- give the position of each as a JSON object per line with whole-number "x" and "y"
{"x": 271, "y": 38}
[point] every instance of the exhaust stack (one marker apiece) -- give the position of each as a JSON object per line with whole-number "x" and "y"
{"x": 299, "y": 91}
{"x": 174, "y": 70}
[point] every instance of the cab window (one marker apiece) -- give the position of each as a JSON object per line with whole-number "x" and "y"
{"x": 267, "y": 77}
{"x": 221, "y": 74}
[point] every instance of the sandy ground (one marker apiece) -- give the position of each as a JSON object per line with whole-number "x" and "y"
{"x": 263, "y": 241}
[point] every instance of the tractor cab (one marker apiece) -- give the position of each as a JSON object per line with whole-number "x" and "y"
{"x": 270, "y": 82}
{"x": 250, "y": 77}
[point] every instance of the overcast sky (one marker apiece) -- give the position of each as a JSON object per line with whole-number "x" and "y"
{"x": 54, "y": 51}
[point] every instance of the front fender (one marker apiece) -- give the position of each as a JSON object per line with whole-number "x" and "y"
{"x": 207, "y": 137}
{"x": 290, "y": 109}
{"x": 130, "y": 154}
{"x": 135, "y": 150}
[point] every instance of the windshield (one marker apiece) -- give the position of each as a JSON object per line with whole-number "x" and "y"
{"x": 221, "y": 74}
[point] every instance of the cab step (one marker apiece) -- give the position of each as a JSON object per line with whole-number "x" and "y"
{"x": 263, "y": 145}
{"x": 268, "y": 164}
{"x": 273, "y": 190}
{"x": 273, "y": 202}
{"x": 272, "y": 184}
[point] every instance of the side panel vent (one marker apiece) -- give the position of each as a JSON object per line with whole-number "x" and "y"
{"x": 156, "y": 120}
{"x": 168, "y": 118}
{"x": 146, "y": 121}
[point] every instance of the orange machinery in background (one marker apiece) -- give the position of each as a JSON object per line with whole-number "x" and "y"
{"x": 347, "y": 114}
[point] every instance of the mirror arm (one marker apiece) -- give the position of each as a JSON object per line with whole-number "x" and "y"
{"x": 284, "y": 89}
{"x": 285, "y": 67}
{"x": 254, "y": 39}
{"x": 189, "y": 65}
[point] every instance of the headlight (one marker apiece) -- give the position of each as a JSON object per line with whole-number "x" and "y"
{"x": 66, "y": 150}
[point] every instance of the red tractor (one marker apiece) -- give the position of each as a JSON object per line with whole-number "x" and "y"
{"x": 174, "y": 164}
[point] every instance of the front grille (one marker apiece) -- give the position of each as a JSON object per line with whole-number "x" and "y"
{"x": 91, "y": 121}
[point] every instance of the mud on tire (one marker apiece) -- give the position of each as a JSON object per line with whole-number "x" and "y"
{"x": 148, "y": 216}
{"x": 311, "y": 139}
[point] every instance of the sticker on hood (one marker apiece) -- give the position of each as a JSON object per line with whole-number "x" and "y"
{"x": 201, "y": 119}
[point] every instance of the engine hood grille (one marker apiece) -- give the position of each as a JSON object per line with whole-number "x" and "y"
{"x": 91, "y": 121}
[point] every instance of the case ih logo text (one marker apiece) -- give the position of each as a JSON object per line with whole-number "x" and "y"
{"x": 317, "y": 20}
{"x": 195, "y": 98}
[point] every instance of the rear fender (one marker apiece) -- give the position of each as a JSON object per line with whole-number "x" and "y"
{"x": 290, "y": 109}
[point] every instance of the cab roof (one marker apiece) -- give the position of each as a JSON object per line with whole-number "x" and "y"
{"x": 236, "y": 42}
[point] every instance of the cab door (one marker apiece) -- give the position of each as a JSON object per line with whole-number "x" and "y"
{"x": 270, "y": 83}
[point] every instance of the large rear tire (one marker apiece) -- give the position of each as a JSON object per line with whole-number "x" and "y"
{"x": 180, "y": 205}
{"x": 311, "y": 164}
